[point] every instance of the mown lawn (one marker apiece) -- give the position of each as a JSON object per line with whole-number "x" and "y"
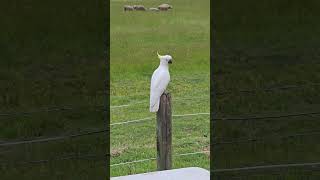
{"x": 183, "y": 33}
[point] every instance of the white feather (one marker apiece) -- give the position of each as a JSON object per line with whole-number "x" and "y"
{"x": 159, "y": 82}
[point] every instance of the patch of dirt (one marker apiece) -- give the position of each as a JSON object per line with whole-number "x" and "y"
{"x": 207, "y": 149}
{"x": 118, "y": 151}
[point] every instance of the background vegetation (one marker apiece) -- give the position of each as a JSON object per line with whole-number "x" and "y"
{"x": 182, "y": 32}
{"x": 259, "y": 45}
{"x": 52, "y": 56}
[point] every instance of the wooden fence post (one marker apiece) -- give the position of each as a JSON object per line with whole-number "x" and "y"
{"x": 164, "y": 135}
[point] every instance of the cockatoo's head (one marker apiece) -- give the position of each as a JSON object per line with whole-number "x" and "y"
{"x": 165, "y": 59}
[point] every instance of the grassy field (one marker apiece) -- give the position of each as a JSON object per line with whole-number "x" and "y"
{"x": 262, "y": 45}
{"x": 52, "y": 56}
{"x": 183, "y": 33}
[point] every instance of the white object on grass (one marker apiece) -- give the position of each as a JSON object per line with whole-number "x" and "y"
{"x": 191, "y": 173}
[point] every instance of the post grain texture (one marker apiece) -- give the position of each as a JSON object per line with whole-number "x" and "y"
{"x": 164, "y": 135}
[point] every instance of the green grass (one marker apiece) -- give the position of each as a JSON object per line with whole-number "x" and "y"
{"x": 52, "y": 55}
{"x": 183, "y": 33}
{"x": 261, "y": 45}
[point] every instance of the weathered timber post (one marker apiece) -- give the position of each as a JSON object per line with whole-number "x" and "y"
{"x": 164, "y": 135}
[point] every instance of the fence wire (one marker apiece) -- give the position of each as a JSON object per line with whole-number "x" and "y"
{"x": 2, "y": 144}
{"x": 41, "y": 140}
{"x": 269, "y": 117}
{"x": 53, "y": 109}
{"x": 234, "y": 141}
{"x": 291, "y": 116}
{"x": 150, "y": 159}
{"x": 93, "y": 157}
{"x": 102, "y": 108}
{"x": 152, "y": 117}
{"x": 262, "y": 139}
{"x": 269, "y": 89}
{"x": 66, "y": 157}
{"x": 266, "y": 167}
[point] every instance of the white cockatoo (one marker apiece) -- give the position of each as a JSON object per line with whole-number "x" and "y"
{"x": 159, "y": 81}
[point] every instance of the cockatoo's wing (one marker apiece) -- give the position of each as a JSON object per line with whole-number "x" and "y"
{"x": 159, "y": 82}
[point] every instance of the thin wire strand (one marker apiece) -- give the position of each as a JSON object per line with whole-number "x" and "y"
{"x": 132, "y": 121}
{"x": 2, "y": 144}
{"x": 146, "y": 119}
{"x": 53, "y": 109}
{"x": 91, "y": 156}
{"x": 286, "y": 87}
{"x": 273, "y": 166}
{"x": 265, "y": 117}
{"x": 127, "y": 105}
{"x": 51, "y": 138}
{"x": 280, "y": 88}
{"x": 149, "y": 118}
{"x": 195, "y": 114}
{"x": 67, "y": 157}
{"x": 70, "y": 108}
{"x": 240, "y": 140}
{"x": 132, "y": 162}
{"x": 150, "y": 159}
{"x": 277, "y": 88}
{"x": 145, "y": 101}
{"x": 193, "y": 153}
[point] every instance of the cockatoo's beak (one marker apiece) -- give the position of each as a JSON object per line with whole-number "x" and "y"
{"x": 170, "y": 62}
